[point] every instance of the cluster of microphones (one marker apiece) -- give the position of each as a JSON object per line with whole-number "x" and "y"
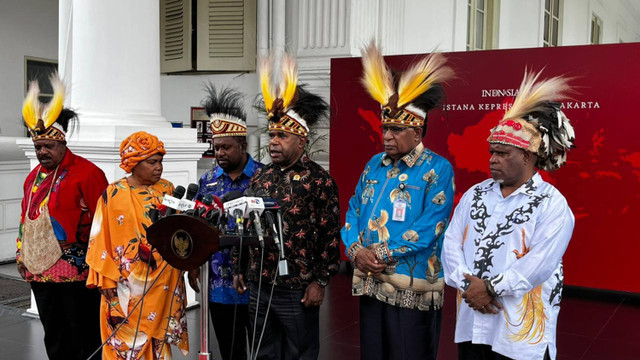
{"x": 236, "y": 215}
{"x": 182, "y": 202}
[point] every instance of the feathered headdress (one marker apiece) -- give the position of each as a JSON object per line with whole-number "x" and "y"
{"x": 290, "y": 107}
{"x": 225, "y": 110}
{"x": 42, "y": 120}
{"x": 416, "y": 91}
{"x": 535, "y": 122}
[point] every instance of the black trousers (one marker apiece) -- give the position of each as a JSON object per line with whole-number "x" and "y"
{"x": 222, "y": 319}
{"x": 70, "y": 315}
{"x": 292, "y": 329}
{"x": 470, "y": 351}
{"x": 392, "y": 332}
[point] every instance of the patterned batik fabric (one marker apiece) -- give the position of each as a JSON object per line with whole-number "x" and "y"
{"x": 120, "y": 257}
{"x": 72, "y": 203}
{"x": 410, "y": 247}
{"x": 216, "y": 182}
{"x": 517, "y": 243}
{"x": 311, "y": 222}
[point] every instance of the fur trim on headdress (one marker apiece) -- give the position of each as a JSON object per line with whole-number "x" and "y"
{"x": 536, "y": 123}
{"x": 226, "y": 112}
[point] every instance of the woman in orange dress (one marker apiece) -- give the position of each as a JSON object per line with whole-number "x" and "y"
{"x": 124, "y": 266}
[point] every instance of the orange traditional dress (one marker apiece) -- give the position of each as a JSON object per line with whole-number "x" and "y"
{"x": 120, "y": 257}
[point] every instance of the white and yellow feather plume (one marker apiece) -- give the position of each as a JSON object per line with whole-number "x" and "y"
{"x": 31, "y": 106}
{"x": 53, "y": 109}
{"x": 532, "y": 95}
{"x": 377, "y": 78}
{"x": 422, "y": 76}
{"x": 289, "y": 80}
{"x": 268, "y": 91}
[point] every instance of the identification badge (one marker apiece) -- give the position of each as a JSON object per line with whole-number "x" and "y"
{"x": 399, "y": 210}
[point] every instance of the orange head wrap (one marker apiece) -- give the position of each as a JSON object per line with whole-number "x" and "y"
{"x": 137, "y": 147}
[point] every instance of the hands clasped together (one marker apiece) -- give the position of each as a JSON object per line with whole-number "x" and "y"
{"x": 478, "y": 298}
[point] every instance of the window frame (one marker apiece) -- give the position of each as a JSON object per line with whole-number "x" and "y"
{"x": 28, "y": 59}
{"x": 597, "y": 21}
{"x": 548, "y": 18}
{"x": 489, "y": 28}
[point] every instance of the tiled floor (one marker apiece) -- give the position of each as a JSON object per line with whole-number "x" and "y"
{"x": 590, "y": 327}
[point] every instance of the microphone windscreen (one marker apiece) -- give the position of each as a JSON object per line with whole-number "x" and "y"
{"x": 217, "y": 203}
{"x": 249, "y": 192}
{"x": 207, "y": 199}
{"x": 192, "y": 190}
{"x": 178, "y": 192}
{"x": 262, "y": 193}
{"x": 231, "y": 195}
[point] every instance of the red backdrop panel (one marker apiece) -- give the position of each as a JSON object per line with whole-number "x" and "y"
{"x": 601, "y": 178}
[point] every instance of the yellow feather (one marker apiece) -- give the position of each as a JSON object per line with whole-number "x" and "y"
{"x": 532, "y": 320}
{"x": 531, "y": 94}
{"x": 53, "y": 109}
{"x": 289, "y": 80}
{"x": 31, "y": 106}
{"x": 265, "y": 83}
{"x": 376, "y": 77}
{"x": 422, "y": 76}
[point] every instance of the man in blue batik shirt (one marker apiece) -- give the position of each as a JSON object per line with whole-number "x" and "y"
{"x": 233, "y": 173}
{"x": 396, "y": 220}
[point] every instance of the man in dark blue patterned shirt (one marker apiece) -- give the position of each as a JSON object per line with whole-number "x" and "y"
{"x": 233, "y": 173}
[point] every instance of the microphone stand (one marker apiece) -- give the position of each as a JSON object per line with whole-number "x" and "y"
{"x": 204, "y": 312}
{"x": 283, "y": 267}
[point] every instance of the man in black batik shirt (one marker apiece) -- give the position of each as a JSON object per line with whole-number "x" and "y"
{"x": 311, "y": 232}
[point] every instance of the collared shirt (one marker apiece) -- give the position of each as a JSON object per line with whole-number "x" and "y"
{"x": 72, "y": 204}
{"x": 217, "y": 182}
{"x": 308, "y": 196}
{"x": 421, "y": 183}
{"x": 517, "y": 243}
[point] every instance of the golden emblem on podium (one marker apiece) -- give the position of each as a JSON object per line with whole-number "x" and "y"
{"x": 181, "y": 244}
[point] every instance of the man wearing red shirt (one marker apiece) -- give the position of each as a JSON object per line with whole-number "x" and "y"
{"x": 60, "y": 197}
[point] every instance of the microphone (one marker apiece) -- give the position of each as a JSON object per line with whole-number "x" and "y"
{"x": 213, "y": 217}
{"x": 272, "y": 226}
{"x": 203, "y": 206}
{"x": 231, "y": 195}
{"x": 255, "y": 217}
{"x": 187, "y": 203}
{"x": 172, "y": 202}
{"x": 192, "y": 190}
{"x": 154, "y": 215}
{"x": 249, "y": 192}
{"x": 245, "y": 204}
{"x": 238, "y": 215}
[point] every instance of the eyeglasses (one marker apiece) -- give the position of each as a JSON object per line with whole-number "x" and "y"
{"x": 395, "y": 130}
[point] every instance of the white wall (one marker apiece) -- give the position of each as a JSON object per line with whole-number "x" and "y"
{"x": 520, "y": 23}
{"x": 27, "y": 28}
{"x": 436, "y": 24}
{"x": 14, "y": 168}
{"x": 620, "y": 21}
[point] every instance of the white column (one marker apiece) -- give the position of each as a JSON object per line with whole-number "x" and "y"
{"x": 259, "y": 138}
{"x": 116, "y": 62}
{"x": 109, "y": 56}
